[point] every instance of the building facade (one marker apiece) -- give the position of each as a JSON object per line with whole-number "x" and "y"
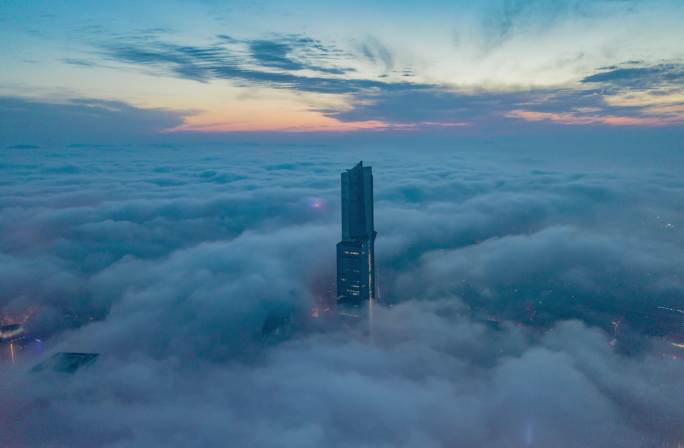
{"x": 356, "y": 251}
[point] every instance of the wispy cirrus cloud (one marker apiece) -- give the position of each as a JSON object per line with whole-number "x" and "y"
{"x": 290, "y": 62}
{"x": 297, "y": 53}
{"x": 631, "y": 94}
{"x": 636, "y": 75}
{"x": 590, "y": 118}
{"x": 303, "y": 64}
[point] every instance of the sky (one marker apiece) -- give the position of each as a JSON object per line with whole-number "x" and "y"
{"x": 492, "y": 67}
{"x": 170, "y": 182}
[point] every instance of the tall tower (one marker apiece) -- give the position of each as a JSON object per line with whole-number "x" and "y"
{"x": 356, "y": 251}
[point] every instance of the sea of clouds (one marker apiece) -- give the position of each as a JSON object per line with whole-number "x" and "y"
{"x": 167, "y": 260}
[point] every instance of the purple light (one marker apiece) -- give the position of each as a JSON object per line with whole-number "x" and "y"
{"x": 316, "y": 203}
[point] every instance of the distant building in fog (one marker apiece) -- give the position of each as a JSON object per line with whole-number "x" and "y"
{"x": 356, "y": 251}
{"x": 67, "y": 362}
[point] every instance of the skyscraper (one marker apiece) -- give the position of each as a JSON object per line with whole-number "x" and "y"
{"x": 356, "y": 251}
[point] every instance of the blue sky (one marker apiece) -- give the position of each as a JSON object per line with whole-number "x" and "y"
{"x": 225, "y": 67}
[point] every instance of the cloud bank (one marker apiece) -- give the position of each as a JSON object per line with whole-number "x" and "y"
{"x": 501, "y": 274}
{"x": 25, "y": 120}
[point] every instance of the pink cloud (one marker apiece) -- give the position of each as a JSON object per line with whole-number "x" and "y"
{"x": 572, "y": 118}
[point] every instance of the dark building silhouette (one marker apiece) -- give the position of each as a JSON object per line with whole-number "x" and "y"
{"x": 356, "y": 251}
{"x": 67, "y": 362}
